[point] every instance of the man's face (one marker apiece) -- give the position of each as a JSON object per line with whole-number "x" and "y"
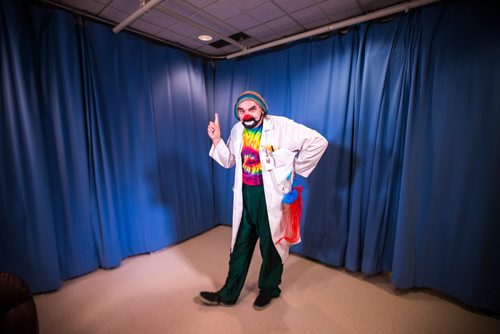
{"x": 250, "y": 114}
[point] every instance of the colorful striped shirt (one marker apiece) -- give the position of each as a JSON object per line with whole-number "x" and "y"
{"x": 252, "y": 169}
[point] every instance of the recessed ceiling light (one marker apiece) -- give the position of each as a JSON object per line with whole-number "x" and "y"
{"x": 205, "y": 38}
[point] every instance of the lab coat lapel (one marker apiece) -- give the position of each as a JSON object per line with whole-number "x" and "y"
{"x": 267, "y": 128}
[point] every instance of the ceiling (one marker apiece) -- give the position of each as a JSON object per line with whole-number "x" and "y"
{"x": 180, "y": 22}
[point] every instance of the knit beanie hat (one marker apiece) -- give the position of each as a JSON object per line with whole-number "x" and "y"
{"x": 250, "y": 95}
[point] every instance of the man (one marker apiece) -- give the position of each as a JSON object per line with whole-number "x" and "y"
{"x": 267, "y": 152}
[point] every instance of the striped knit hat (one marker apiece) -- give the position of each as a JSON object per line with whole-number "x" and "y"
{"x": 250, "y": 95}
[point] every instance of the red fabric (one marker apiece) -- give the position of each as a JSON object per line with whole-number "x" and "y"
{"x": 290, "y": 219}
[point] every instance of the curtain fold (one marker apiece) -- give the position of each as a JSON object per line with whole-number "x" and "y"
{"x": 64, "y": 139}
{"x": 26, "y": 247}
{"x": 448, "y": 219}
{"x": 104, "y": 148}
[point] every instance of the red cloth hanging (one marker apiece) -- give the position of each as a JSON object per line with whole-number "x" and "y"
{"x": 290, "y": 219}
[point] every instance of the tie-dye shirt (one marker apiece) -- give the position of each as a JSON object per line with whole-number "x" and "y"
{"x": 252, "y": 169}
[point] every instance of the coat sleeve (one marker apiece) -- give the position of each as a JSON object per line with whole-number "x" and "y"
{"x": 309, "y": 146}
{"x": 223, "y": 153}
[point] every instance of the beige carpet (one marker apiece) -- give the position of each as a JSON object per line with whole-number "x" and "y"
{"x": 157, "y": 293}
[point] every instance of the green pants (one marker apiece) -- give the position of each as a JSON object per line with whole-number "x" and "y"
{"x": 254, "y": 225}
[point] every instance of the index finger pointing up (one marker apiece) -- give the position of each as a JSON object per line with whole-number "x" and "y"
{"x": 216, "y": 118}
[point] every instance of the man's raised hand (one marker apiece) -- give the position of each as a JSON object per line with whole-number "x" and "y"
{"x": 214, "y": 130}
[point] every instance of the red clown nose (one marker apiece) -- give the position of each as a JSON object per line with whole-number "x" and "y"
{"x": 247, "y": 117}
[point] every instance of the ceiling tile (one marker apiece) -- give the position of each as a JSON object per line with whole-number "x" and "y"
{"x": 114, "y": 15}
{"x": 317, "y": 23}
{"x": 284, "y": 23}
{"x": 230, "y": 49}
{"x": 93, "y": 7}
{"x": 208, "y": 49}
{"x": 222, "y": 10}
{"x": 191, "y": 43}
{"x": 185, "y": 29}
{"x": 251, "y": 42}
{"x": 242, "y": 22}
{"x": 158, "y": 18}
{"x": 263, "y": 33}
{"x": 372, "y": 5}
{"x": 213, "y": 23}
{"x": 270, "y": 38}
{"x": 169, "y": 35}
{"x": 259, "y": 32}
{"x": 146, "y": 27}
{"x": 127, "y": 6}
{"x": 246, "y": 5}
{"x": 181, "y": 8}
{"x": 310, "y": 17}
{"x": 293, "y": 5}
{"x": 266, "y": 12}
{"x": 338, "y": 10}
{"x": 200, "y": 3}
{"x": 334, "y": 8}
{"x": 344, "y": 15}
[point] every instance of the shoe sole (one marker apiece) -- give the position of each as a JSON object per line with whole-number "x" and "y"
{"x": 208, "y": 302}
{"x": 213, "y": 303}
{"x": 260, "y": 308}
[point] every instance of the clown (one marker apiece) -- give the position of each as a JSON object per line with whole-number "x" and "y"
{"x": 267, "y": 151}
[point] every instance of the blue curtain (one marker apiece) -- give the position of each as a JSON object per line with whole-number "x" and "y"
{"x": 411, "y": 109}
{"x": 104, "y": 148}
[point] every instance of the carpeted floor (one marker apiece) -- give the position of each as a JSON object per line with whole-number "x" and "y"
{"x": 158, "y": 293}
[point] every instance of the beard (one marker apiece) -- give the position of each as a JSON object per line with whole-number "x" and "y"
{"x": 250, "y": 122}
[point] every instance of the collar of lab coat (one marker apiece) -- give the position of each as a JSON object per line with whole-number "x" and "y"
{"x": 267, "y": 124}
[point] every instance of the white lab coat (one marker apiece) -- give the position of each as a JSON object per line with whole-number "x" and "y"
{"x": 297, "y": 148}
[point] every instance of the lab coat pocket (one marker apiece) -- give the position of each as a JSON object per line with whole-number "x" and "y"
{"x": 283, "y": 170}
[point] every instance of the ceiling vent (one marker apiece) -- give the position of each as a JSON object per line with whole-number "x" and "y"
{"x": 238, "y": 37}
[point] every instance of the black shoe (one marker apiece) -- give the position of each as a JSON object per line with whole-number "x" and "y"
{"x": 213, "y": 298}
{"x": 263, "y": 300}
